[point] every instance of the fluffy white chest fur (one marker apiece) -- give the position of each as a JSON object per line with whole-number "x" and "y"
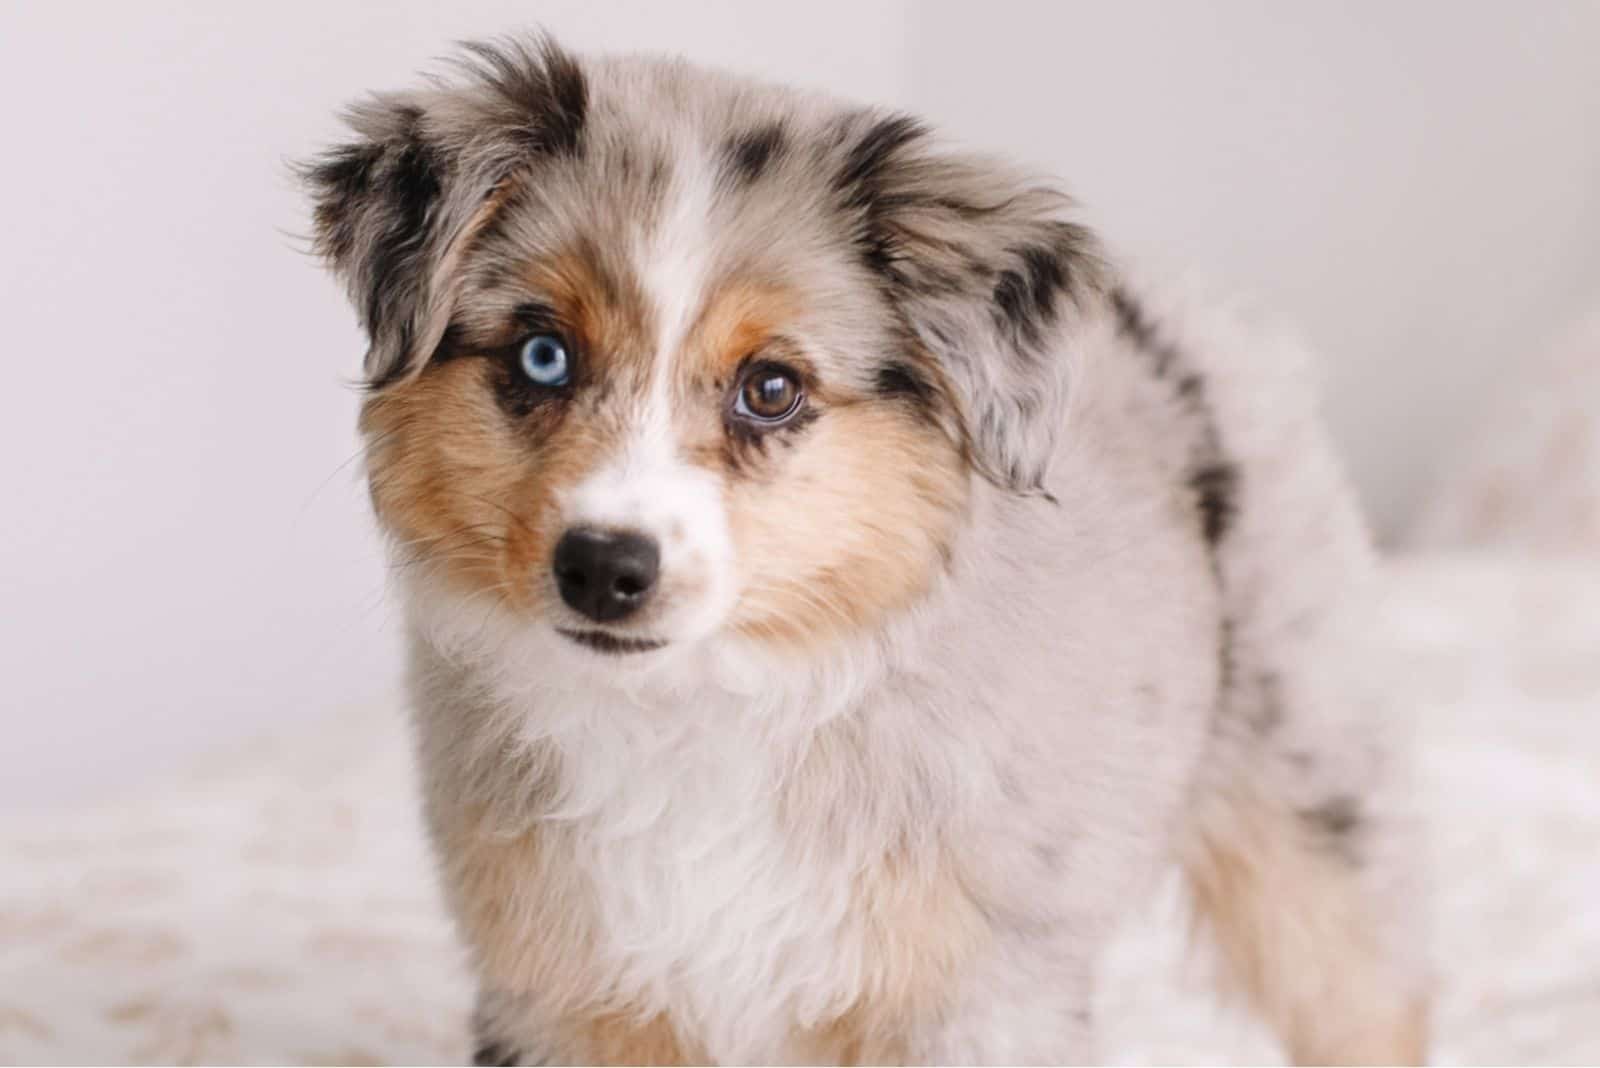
{"x": 722, "y": 822}
{"x": 706, "y": 905}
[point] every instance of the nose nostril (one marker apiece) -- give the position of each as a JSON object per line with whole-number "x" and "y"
{"x": 605, "y": 574}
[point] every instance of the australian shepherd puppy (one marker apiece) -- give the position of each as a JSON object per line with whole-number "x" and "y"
{"x": 834, "y": 588}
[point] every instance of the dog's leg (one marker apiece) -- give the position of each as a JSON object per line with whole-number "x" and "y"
{"x": 1314, "y": 921}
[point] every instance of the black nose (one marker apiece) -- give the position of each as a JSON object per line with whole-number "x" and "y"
{"x": 605, "y": 574}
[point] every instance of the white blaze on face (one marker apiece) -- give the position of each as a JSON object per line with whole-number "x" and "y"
{"x": 673, "y": 256}
{"x": 648, "y": 487}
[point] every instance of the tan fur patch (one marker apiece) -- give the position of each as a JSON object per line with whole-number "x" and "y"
{"x": 509, "y": 899}
{"x": 602, "y": 307}
{"x": 526, "y": 914}
{"x": 737, "y": 320}
{"x": 922, "y": 929}
{"x": 619, "y": 1038}
{"x": 470, "y": 492}
{"x": 1299, "y": 938}
{"x": 856, "y": 524}
{"x": 845, "y": 523}
{"x": 919, "y": 924}
{"x": 836, "y": 525}
{"x": 523, "y": 910}
{"x": 468, "y": 495}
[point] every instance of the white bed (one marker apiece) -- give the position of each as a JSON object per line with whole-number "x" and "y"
{"x": 278, "y": 906}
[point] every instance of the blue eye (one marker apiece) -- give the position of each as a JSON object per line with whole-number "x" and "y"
{"x": 545, "y": 361}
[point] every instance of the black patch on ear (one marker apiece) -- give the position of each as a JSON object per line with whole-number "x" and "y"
{"x": 901, "y": 381}
{"x": 341, "y": 178}
{"x": 546, "y": 84}
{"x": 411, "y": 187}
{"x": 747, "y": 156}
{"x": 864, "y": 163}
{"x": 569, "y": 93}
{"x": 982, "y": 268}
{"x": 861, "y": 182}
{"x": 1026, "y": 296}
{"x": 379, "y": 200}
{"x": 1214, "y": 485}
{"x": 375, "y": 201}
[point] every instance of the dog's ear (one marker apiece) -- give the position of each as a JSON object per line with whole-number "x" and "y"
{"x": 395, "y": 207}
{"x": 988, "y": 275}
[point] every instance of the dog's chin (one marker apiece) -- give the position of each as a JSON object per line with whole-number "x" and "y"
{"x": 609, "y": 644}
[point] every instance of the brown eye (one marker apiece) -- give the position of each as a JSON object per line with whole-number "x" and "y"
{"x": 768, "y": 394}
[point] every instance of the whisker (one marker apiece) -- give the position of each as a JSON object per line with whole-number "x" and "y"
{"x": 450, "y": 545}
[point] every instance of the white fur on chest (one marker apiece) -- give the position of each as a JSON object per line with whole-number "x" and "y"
{"x": 709, "y": 906}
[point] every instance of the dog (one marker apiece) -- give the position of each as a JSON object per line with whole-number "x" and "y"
{"x": 836, "y": 589}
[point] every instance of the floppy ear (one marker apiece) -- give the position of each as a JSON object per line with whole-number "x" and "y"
{"x": 989, "y": 276}
{"x": 395, "y": 208}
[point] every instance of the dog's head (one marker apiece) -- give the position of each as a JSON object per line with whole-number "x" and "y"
{"x": 657, "y": 353}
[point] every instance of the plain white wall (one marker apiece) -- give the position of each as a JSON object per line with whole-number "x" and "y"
{"x": 183, "y": 560}
{"x": 1416, "y": 186}
{"x": 185, "y": 563}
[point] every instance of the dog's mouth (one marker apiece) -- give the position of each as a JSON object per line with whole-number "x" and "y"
{"x": 602, "y": 642}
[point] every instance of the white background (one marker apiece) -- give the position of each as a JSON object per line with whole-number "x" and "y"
{"x": 185, "y": 563}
